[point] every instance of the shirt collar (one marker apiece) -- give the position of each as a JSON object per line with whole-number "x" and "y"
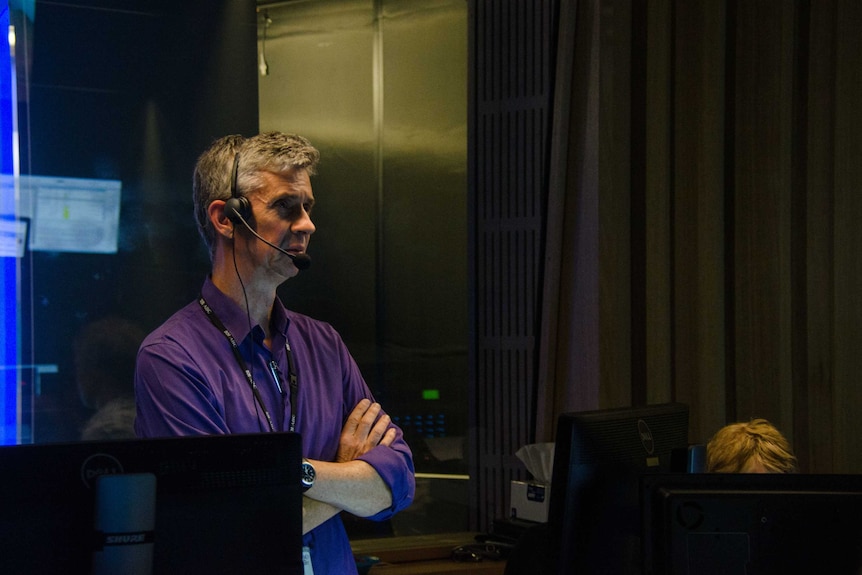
{"x": 280, "y": 321}
{"x": 235, "y": 317}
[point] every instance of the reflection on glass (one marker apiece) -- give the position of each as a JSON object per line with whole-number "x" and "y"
{"x": 71, "y": 214}
{"x": 381, "y": 89}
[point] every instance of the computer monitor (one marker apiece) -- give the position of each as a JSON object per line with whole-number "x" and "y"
{"x": 763, "y": 524}
{"x": 208, "y": 504}
{"x": 599, "y": 457}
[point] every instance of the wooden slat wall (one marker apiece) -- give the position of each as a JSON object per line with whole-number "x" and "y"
{"x": 511, "y": 68}
{"x": 698, "y": 205}
{"x": 744, "y": 166}
{"x": 846, "y": 162}
{"x": 710, "y": 248}
{"x": 813, "y": 416}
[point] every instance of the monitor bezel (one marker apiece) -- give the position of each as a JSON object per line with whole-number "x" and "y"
{"x": 763, "y": 502}
{"x": 605, "y": 475}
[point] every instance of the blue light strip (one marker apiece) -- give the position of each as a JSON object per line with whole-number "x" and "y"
{"x": 9, "y": 266}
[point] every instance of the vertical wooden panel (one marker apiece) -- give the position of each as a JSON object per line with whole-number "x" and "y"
{"x": 813, "y": 428}
{"x": 508, "y": 161}
{"x": 761, "y": 195}
{"x": 697, "y": 212}
{"x": 658, "y": 133}
{"x": 799, "y": 232}
{"x": 848, "y": 237}
{"x": 638, "y": 245}
{"x": 615, "y": 218}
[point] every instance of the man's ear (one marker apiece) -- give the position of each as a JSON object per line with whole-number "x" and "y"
{"x": 219, "y": 219}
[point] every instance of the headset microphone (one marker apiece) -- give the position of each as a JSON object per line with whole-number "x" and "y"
{"x": 301, "y": 260}
{"x": 238, "y": 208}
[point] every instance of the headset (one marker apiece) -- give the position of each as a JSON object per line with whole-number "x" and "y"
{"x": 237, "y": 208}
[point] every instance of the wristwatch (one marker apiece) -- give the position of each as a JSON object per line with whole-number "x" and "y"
{"x": 308, "y": 475}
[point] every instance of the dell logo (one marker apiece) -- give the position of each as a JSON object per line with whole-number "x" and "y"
{"x": 646, "y": 436}
{"x": 99, "y": 464}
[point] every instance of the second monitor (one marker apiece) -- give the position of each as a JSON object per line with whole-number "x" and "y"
{"x": 599, "y": 458}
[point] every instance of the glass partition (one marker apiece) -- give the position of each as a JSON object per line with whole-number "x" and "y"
{"x": 99, "y": 245}
{"x": 105, "y": 109}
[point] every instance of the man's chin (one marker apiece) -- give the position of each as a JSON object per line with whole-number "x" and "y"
{"x": 286, "y": 270}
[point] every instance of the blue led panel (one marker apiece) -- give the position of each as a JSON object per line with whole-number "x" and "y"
{"x": 9, "y": 263}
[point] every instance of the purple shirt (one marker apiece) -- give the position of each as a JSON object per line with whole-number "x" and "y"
{"x": 188, "y": 382}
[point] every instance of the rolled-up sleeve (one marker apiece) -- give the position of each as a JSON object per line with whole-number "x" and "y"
{"x": 394, "y": 464}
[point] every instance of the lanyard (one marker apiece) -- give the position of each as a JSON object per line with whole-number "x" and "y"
{"x": 273, "y": 367}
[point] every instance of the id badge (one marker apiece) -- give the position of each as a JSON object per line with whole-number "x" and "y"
{"x": 307, "y": 569}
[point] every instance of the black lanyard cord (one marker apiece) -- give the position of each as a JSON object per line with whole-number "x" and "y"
{"x": 276, "y": 372}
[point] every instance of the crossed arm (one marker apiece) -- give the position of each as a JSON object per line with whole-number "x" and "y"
{"x": 348, "y": 483}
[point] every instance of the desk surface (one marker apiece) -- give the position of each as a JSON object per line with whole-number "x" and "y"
{"x": 423, "y": 555}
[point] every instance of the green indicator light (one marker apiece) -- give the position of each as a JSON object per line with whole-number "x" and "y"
{"x": 430, "y": 394}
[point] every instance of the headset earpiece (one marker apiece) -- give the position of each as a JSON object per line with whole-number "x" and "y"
{"x": 237, "y": 208}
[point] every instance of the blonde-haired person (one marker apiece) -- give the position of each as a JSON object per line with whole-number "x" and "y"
{"x": 755, "y": 446}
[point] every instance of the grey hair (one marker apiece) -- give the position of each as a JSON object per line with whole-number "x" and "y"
{"x": 274, "y": 152}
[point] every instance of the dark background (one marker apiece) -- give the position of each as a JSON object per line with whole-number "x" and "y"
{"x": 129, "y": 91}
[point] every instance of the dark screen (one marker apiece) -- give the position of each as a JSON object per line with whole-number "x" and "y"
{"x": 594, "y": 520}
{"x": 223, "y": 504}
{"x": 753, "y": 524}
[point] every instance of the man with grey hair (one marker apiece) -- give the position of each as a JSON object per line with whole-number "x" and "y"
{"x": 216, "y": 365}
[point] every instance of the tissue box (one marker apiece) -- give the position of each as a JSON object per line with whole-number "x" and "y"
{"x": 529, "y": 501}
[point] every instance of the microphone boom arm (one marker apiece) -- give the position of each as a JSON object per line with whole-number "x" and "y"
{"x": 302, "y": 260}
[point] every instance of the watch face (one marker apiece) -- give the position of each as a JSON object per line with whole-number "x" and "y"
{"x": 307, "y": 475}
